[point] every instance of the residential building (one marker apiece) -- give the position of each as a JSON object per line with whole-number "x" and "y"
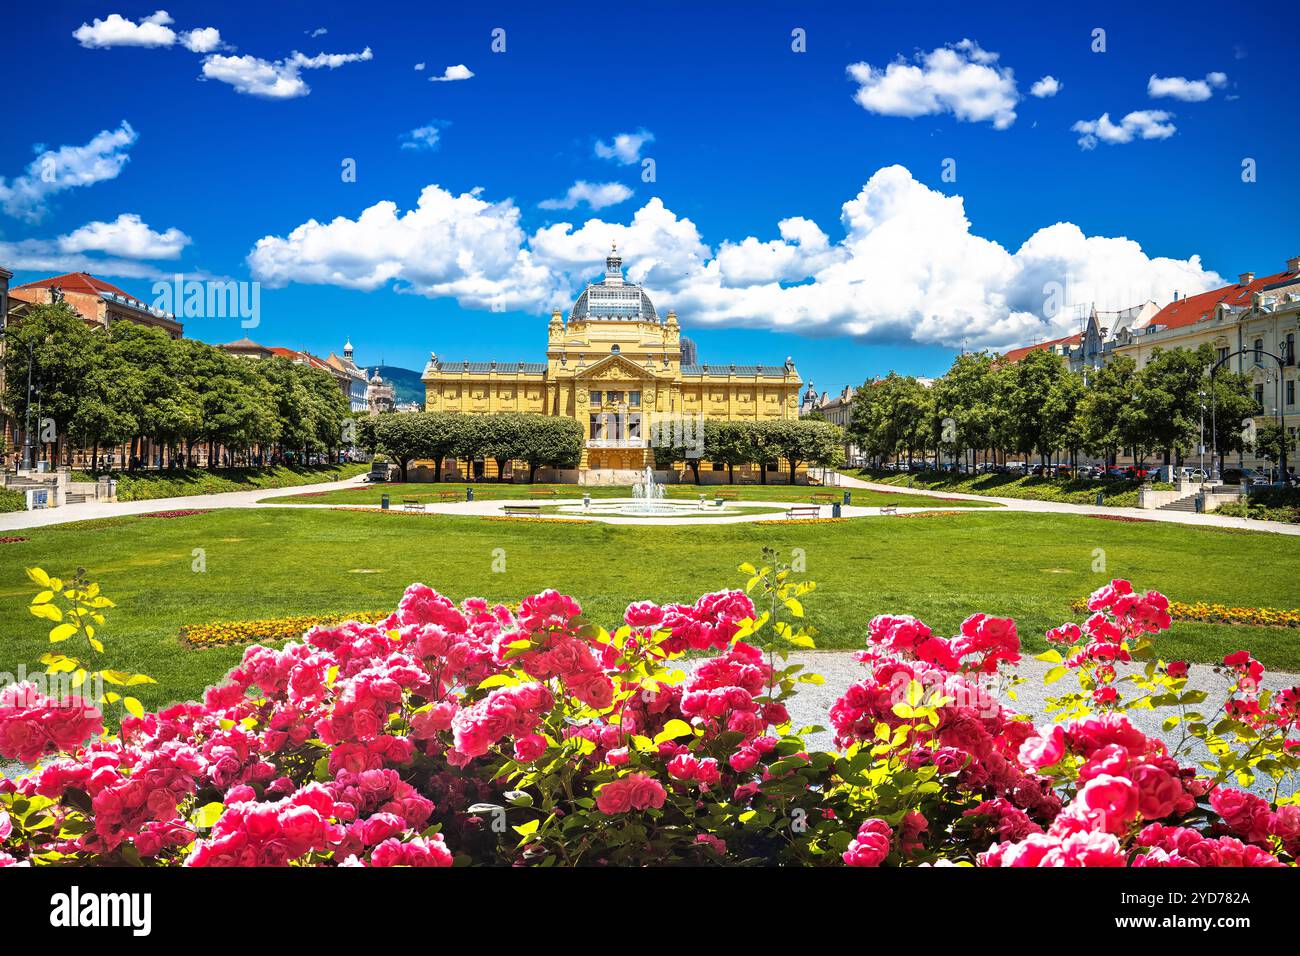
{"x": 353, "y": 380}
{"x": 837, "y": 411}
{"x": 98, "y": 302}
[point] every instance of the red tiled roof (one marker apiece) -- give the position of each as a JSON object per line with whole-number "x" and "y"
{"x": 1199, "y": 308}
{"x": 1015, "y": 355}
{"x": 294, "y": 355}
{"x": 77, "y": 282}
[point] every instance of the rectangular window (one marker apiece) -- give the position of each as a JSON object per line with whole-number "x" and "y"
{"x": 1259, "y": 351}
{"x": 1222, "y": 352}
{"x": 634, "y": 399}
{"x": 1288, "y": 353}
{"x": 614, "y": 398}
{"x": 1290, "y": 392}
{"x": 595, "y": 426}
{"x": 634, "y": 425}
{"x": 1259, "y": 395}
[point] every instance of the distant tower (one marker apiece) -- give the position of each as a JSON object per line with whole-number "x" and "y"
{"x": 347, "y": 350}
{"x": 690, "y": 354}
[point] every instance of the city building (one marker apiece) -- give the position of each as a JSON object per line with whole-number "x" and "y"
{"x": 353, "y": 381}
{"x": 98, "y": 302}
{"x": 380, "y": 395}
{"x": 1246, "y": 323}
{"x": 618, "y": 368}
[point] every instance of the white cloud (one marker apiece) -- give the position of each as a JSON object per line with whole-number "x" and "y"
{"x": 625, "y": 148}
{"x": 1047, "y": 86}
{"x": 595, "y": 195}
{"x": 1181, "y": 88}
{"x": 1140, "y": 124}
{"x": 55, "y": 170}
{"x": 202, "y": 40}
{"x": 419, "y": 66}
{"x": 278, "y": 79}
{"x": 424, "y": 137}
{"x": 962, "y": 79}
{"x": 451, "y": 74}
{"x": 116, "y": 30}
{"x": 908, "y": 267}
{"x": 127, "y": 236}
{"x": 318, "y": 32}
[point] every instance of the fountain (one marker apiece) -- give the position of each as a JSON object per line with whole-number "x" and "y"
{"x": 647, "y": 494}
{"x": 648, "y": 501}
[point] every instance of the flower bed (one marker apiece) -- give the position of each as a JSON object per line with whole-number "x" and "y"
{"x": 1207, "y": 613}
{"x": 221, "y": 633}
{"x": 178, "y": 513}
{"x": 12, "y": 539}
{"x": 472, "y": 733}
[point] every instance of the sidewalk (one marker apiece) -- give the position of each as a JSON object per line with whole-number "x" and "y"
{"x": 86, "y": 511}
{"x": 1026, "y": 504}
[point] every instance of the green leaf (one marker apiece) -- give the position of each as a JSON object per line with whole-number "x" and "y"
{"x": 672, "y": 730}
{"x": 208, "y": 815}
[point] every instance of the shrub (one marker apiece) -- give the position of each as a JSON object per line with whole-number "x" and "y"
{"x": 469, "y": 733}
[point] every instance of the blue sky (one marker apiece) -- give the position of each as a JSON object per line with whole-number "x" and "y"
{"x": 747, "y": 133}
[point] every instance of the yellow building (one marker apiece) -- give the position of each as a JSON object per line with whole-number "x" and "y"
{"x": 616, "y": 368}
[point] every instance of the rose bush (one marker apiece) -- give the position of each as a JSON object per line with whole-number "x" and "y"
{"x": 467, "y": 733}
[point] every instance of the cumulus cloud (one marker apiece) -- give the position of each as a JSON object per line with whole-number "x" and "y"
{"x": 1181, "y": 88}
{"x": 595, "y": 195}
{"x": 274, "y": 79}
{"x": 419, "y": 66}
{"x": 451, "y": 74}
{"x": 962, "y": 79}
{"x": 625, "y": 148}
{"x": 1140, "y": 124}
{"x": 1047, "y": 86}
{"x": 116, "y": 30}
{"x": 202, "y": 40}
{"x": 126, "y": 244}
{"x": 424, "y": 137}
{"x": 55, "y": 170}
{"x": 908, "y": 267}
{"x": 127, "y": 236}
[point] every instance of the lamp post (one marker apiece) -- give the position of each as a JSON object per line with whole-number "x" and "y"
{"x": 1281, "y": 421}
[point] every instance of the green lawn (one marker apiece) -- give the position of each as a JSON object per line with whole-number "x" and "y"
{"x": 1119, "y": 493}
{"x": 271, "y": 562}
{"x": 424, "y": 491}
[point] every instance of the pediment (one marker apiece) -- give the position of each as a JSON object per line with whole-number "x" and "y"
{"x": 615, "y": 367}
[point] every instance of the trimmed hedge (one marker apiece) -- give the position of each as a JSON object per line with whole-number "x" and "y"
{"x": 146, "y": 486}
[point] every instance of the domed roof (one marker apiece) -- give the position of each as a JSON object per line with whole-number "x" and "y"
{"x": 613, "y": 299}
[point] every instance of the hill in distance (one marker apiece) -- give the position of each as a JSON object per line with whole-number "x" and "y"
{"x": 407, "y": 386}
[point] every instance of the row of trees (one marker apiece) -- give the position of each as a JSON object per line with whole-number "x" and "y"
{"x": 129, "y": 384}
{"x": 986, "y": 407}
{"x": 762, "y": 443}
{"x": 556, "y": 442}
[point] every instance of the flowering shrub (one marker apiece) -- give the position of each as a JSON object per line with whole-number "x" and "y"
{"x": 468, "y": 733}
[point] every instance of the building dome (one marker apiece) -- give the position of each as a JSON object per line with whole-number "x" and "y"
{"x": 613, "y": 299}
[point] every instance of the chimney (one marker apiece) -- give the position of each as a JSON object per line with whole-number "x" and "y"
{"x": 1246, "y": 278}
{"x": 1293, "y": 264}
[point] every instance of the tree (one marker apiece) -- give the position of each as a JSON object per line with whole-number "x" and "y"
{"x": 1229, "y": 405}
{"x": 406, "y": 436}
{"x": 800, "y": 441}
{"x": 550, "y": 442}
{"x": 726, "y": 443}
{"x": 1272, "y": 443}
{"x": 1031, "y": 384}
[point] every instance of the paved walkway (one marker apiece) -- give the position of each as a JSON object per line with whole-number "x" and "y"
{"x": 1027, "y": 504}
{"x": 18, "y": 520}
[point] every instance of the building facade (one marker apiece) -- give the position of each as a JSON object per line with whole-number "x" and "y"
{"x": 1244, "y": 322}
{"x": 352, "y": 379}
{"x": 380, "y": 395}
{"x": 98, "y": 302}
{"x": 617, "y": 368}
{"x": 837, "y": 411}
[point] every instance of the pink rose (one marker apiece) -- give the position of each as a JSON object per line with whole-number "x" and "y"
{"x": 1043, "y": 751}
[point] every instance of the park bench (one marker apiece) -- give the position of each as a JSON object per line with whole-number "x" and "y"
{"x": 448, "y": 495}
{"x": 412, "y": 504}
{"x": 889, "y": 509}
{"x": 522, "y": 509}
{"x": 727, "y": 495}
{"x": 542, "y": 492}
{"x": 803, "y": 511}
{"x": 825, "y": 498}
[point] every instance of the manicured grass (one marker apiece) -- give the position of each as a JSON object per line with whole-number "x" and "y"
{"x": 1119, "y": 493}
{"x": 424, "y": 491}
{"x": 268, "y": 562}
{"x": 709, "y": 512}
{"x": 148, "y": 485}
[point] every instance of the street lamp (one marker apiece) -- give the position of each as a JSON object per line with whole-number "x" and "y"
{"x": 1281, "y": 422}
